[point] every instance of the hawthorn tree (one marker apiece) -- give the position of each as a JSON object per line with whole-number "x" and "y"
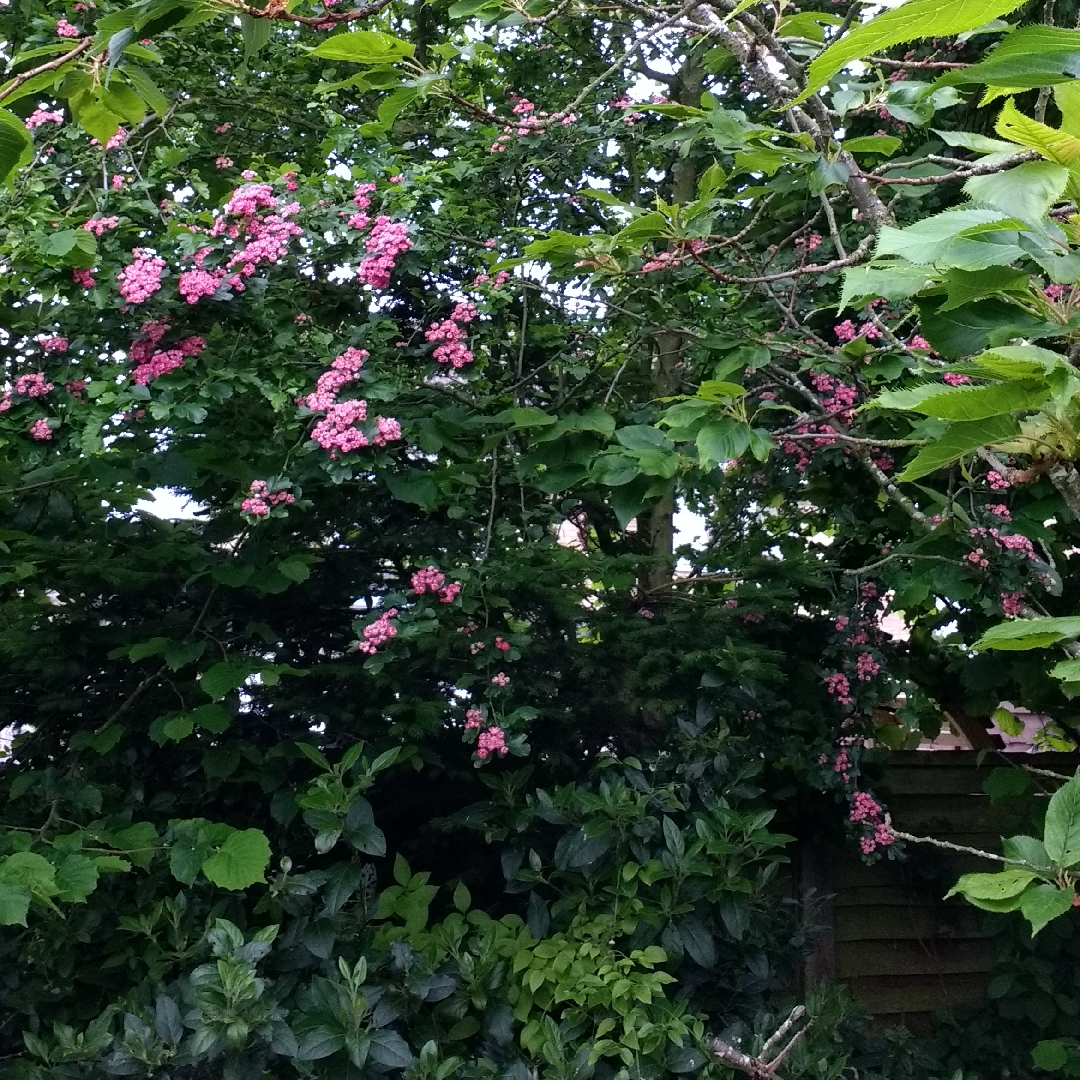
{"x": 418, "y": 741}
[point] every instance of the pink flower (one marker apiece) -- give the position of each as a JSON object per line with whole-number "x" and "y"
{"x": 142, "y": 278}
{"x": 222, "y": 128}
{"x": 845, "y": 331}
{"x": 117, "y": 183}
{"x": 1013, "y": 603}
{"x": 448, "y": 595}
{"x": 837, "y": 685}
{"x": 75, "y": 387}
{"x": 83, "y": 278}
{"x": 249, "y": 174}
{"x": 53, "y": 344}
{"x": 473, "y": 718}
{"x": 918, "y": 342}
{"x": 97, "y": 226}
{"x": 118, "y": 139}
{"x": 999, "y": 510}
{"x": 40, "y": 430}
{"x": 502, "y": 679}
{"x": 396, "y": 178}
{"x": 65, "y": 29}
{"x": 491, "y": 741}
{"x": 197, "y": 283}
{"x": 426, "y": 580}
{"x": 864, "y": 808}
{"x": 866, "y": 667}
{"x": 223, "y": 162}
{"x": 996, "y": 481}
{"x": 386, "y": 241}
{"x": 955, "y": 379}
{"x": 378, "y": 633}
{"x": 32, "y": 386}
{"x": 501, "y": 644}
{"x": 42, "y": 116}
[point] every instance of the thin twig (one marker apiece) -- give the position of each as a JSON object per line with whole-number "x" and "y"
{"x": 52, "y": 65}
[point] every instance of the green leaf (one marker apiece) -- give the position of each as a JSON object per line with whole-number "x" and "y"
{"x": 959, "y": 440}
{"x": 1026, "y": 192}
{"x": 1027, "y": 849}
{"x": 971, "y": 328}
{"x": 147, "y": 89}
{"x": 31, "y": 871}
{"x": 722, "y": 440}
{"x": 178, "y": 728}
{"x": 363, "y": 47}
{"x": 256, "y": 33}
{"x": 225, "y": 676}
{"x": 1044, "y": 903}
{"x": 123, "y": 101}
{"x": 928, "y": 241}
{"x": 912, "y": 20}
{"x": 1021, "y": 634}
{"x": 1061, "y": 830}
{"x": 148, "y": 648}
{"x": 76, "y": 878}
{"x": 240, "y": 861}
{"x": 875, "y": 144}
{"x": 1008, "y": 722}
{"x": 16, "y": 147}
{"x": 1027, "y": 57}
{"x": 1050, "y": 1054}
{"x": 994, "y": 892}
{"x": 966, "y": 285}
{"x": 888, "y": 280}
{"x": 14, "y": 904}
{"x": 1056, "y": 145}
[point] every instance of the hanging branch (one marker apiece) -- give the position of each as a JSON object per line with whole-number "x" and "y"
{"x": 763, "y": 1067}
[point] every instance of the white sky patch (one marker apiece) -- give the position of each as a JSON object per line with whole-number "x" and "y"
{"x": 170, "y": 505}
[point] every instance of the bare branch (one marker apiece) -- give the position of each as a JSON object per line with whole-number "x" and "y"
{"x": 52, "y": 65}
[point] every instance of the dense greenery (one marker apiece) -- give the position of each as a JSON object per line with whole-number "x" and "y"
{"x": 417, "y": 740}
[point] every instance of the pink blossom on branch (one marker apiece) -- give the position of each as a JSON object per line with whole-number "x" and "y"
{"x": 66, "y": 29}
{"x": 142, "y": 278}
{"x": 40, "y": 430}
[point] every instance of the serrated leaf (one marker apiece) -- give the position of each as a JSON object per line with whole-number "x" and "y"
{"x": 16, "y": 147}
{"x": 1007, "y": 885}
{"x": 1044, "y": 903}
{"x": 225, "y": 676}
{"x": 240, "y": 861}
{"x": 959, "y": 440}
{"x": 1061, "y": 831}
{"x": 1021, "y": 634}
{"x": 363, "y": 47}
{"x": 723, "y": 440}
{"x": 912, "y": 20}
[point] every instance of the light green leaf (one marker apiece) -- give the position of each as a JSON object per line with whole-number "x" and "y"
{"x": 14, "y": 904}
{"x": 1000, "y": 890}
{"x": 1056, "y": 145}
{"x": 960, "y": 439}
{"x": 1022, "y": 634}
{"x": 1044, "y": 903}
{"x": 1027, "y": 191}
{"x": 1061, "y": 831}
{"x": 363, "y": 47}
{"x": 76, "y": 878}
{"x": 873, "y": 144}
{"x": 887, "y": 280}
{"x": 16, "y": 147}
{"x": 240, "y": 861}
{"x": 1027, "y": 57}
{"x": 925, "y": 242}
{"x": 967, "y": 285}
{"x": 225, "y": 676}
{"x": 1007, "y": 722}
{"x": 912, "y": 20}
{"x": 722, "y": 440}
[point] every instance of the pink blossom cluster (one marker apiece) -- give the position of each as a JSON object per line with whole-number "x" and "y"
{"x": 996, "y": 481}
{"x": 837, "y": 685}
{"x": 882, "y": 836}
{"x": 337, "y": 431}
{"x": 40, "y": 430}
{"x": 75, "y": 386}
{"x": 53, "y": 344}
{"x": 43, "y": 116}
{"x": 1054, "y": 292}
{"x": 83, "y": 278}
{"x": 362, "y": 195}
{"x": 32, "y": 386}
{"x": 378, "y": 633}
{"x": 866, "y": 810}
{"x": 343, "y": 369}
{"x": 150, "y": 362}
{"x": 115, "y": 140}
{"x": 142, "y": 278}
{"x": 261, "y": 499}
{"x": 866, "y": 667}
{"x": 864, "y": 807}
{"x": 841, "y": 765}
{"x": 499, "y": 279}
{"x": 955, "y": 379}
{"x": 846, "y": 331}
{"x": 100, "y": 225}
{"x": 118, "y": 181}
{"x": 919, "y": 342}
{"x": 491, "y": 741}
{"x": 999, "y": 510}
{"x": 1008, "y": 541}
{"x": 432, "y": 580}
{"x": 1013, "y": 603}
{"x": 501, "y": 679}
{"x": 65, "y": 29}
{"x": 450, "y": 335}
{"x": 386, "y": 241}
{"x": 502, "y": 644}
{"x": 223, "y": 162}
{"x": 473, "y": 718}
{"x": 527, "y": 120}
